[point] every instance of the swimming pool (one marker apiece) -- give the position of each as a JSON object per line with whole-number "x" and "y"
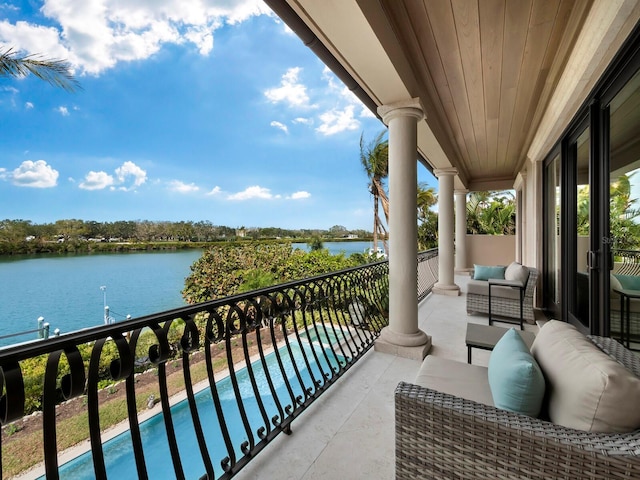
{"x": 325, "y": 335}
{"x": 118, "y": 453}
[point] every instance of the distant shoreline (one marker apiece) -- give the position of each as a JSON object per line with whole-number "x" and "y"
{"x": 55, "y": 248}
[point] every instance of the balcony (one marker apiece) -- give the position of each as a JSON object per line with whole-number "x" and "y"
{"x": 348, "y": 431}
{"x": 344, "y": 411}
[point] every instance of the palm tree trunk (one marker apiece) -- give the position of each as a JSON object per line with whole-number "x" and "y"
{"x": 383, "y": 199}
{"x": 376, "y": 221}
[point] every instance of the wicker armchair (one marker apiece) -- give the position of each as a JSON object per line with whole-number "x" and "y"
{"x": 506, "y": 307}
{"x": 442, "y": 436}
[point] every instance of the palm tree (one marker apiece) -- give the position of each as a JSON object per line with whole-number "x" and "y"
{"x": 427, "y": 218}
{"x": 53, "y": 71}
{"x": 491, "y": 213}
{"x": 375, "y": 160}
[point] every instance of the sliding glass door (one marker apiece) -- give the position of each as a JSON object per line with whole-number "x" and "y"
{"x": 622, "y": 116}
{"x": 552, "y": 267}
{"x": 579, "y": 261}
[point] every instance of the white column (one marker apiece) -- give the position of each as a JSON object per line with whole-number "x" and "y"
{"x": 461, "y": 230}
{"x": 445, "y": 285}
{"x": 402, "y": 336}
{"x": 521, "y": 218}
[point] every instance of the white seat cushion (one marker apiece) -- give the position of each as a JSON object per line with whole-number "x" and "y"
{"x": 455, "y": 378}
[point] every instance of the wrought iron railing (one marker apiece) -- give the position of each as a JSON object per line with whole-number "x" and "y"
{"x": 626, "y": 262}
{"x": 294, "y": 340}
{"x": 427, "y": 272}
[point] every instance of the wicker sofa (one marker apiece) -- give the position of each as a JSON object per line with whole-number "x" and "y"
{"x": 505, "y": 301}
{"x": 441, "y": 435}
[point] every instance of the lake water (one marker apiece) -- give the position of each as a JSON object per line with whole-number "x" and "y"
{"x": 65, "y": 289}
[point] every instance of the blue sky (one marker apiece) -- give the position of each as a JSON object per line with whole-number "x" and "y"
{"x": 209, "y": 110}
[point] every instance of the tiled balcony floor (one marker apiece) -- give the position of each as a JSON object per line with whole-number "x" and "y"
{"x": 349, "y": 432}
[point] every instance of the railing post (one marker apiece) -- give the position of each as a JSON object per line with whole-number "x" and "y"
{"x": 41, "y": 327}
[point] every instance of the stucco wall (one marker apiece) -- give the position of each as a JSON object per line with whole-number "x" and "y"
{"x": 490, "y": 249}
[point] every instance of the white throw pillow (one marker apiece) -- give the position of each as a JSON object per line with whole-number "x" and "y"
{"x": 587, "y": 389}
{"x": 516, "y": 271}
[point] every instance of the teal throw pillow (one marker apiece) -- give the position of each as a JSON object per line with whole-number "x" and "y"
{"x": 516, "y": 381}
{"x": 628, "y": 282}
{"x": 485, "y": 272}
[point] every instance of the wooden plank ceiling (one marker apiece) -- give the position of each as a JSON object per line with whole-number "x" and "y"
{"x": 488, "y": 68}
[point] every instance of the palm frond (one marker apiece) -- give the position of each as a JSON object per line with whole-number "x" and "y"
{"x": 53, "y": 71}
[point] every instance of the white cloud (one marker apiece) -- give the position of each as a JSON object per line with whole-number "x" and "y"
{"x": 304, "y": 121}
{"x": 290, "y": 90}
{"x": 336, "y": 121}
{"x": 300, "y": 195}
{"x": 64, "y": 111}
{"x": 6, "y": 6}
{"x": 126, "y": 177}
{"x": 280, "y": 126}
{"x": 366, "y": 113}
{"x": 130, "y": 169}
{"x": 96, "y": 35}
{"x": 33, "y": 39}
{"x": 181, "y": 187}
{"x": 36, "y": 174}
{"x": 96, "y": 181}
{"x": 336, "y": 104}
{"x": 215, "y": 191}
{"x": 28, "y": 105}
{"x": 253, "y": 192}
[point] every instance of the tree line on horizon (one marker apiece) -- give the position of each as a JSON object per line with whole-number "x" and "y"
{"x": 156, "y": 231}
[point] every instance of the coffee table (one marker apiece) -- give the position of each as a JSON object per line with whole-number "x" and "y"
{"x": 485, "y": 337}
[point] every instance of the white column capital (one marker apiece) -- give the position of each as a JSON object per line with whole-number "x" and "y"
{"x": 520, "y": 180}
{"x": 405, "y": 108}
{"x": 444, "y": 172}
{"x": 461, "y": 191}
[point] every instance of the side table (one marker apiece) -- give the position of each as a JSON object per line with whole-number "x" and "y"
{"x": 485, "y": 337}
{"x": 625, "y": 304}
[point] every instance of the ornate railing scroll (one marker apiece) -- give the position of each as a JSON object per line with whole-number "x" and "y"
{"x": 626, "y": 262}
{"x": 268, "y": 354}
{"x": 427, "y": 272}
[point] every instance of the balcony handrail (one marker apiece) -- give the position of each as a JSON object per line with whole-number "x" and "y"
{"x": 343, "y": 311}
{"x": 427, "y": 272}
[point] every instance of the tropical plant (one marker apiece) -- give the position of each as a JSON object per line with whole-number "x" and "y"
{"x": 624, "y": 230}
{"x": 229, "y": 269}
{"x": 427, "y": 218}
{"x": 491, "y": 213}
{"x": 374, "y": 158}
{"x": 316, "y": 243}
{"x": 623, "y": 215}
{"x": 53, "y": 71}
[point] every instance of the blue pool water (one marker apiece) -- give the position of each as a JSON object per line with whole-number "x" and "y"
{"x": 119, "y": 458}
